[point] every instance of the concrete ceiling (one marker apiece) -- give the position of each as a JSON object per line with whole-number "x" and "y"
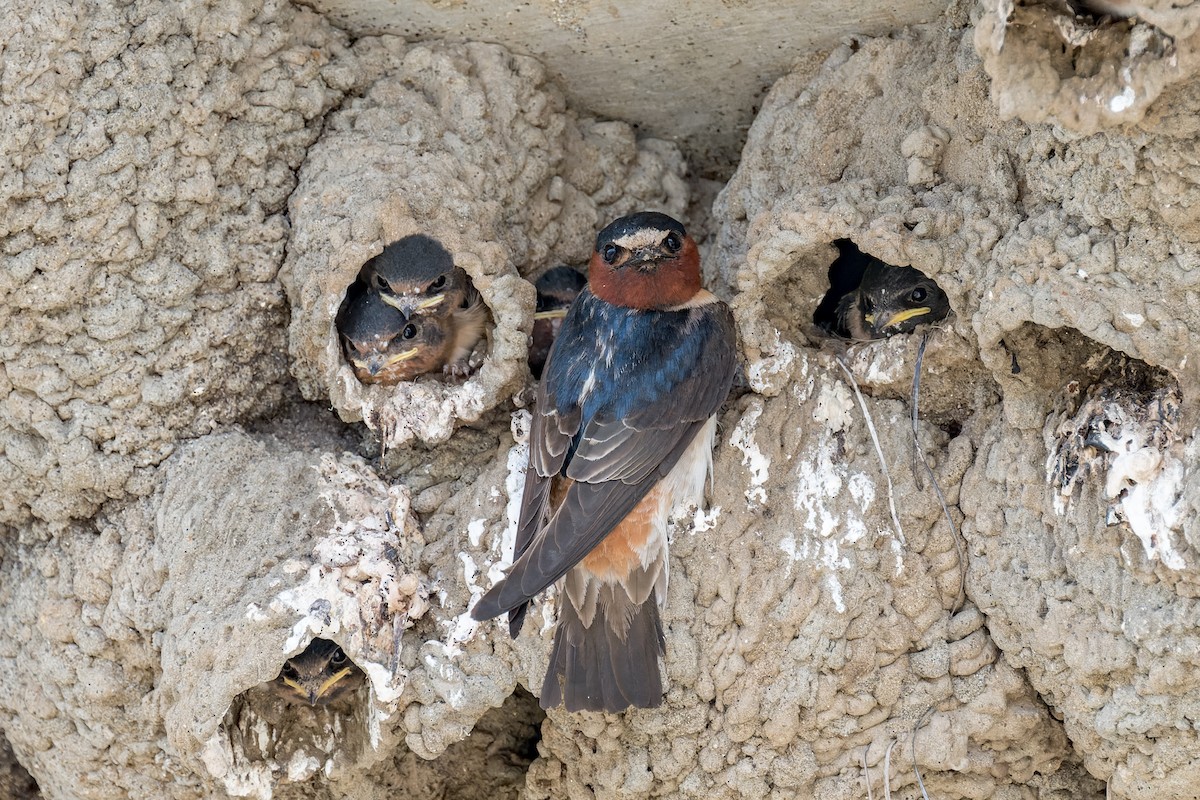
{"x": 692, "y": 71}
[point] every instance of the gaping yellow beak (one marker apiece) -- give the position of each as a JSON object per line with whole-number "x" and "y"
{"x": 431, "y": 302}
{"x": 402, "y": 356}
{"x": 409, "y": 305}
{"x": 322, "y": 690}
{"x": 300, "y": 690}
{"x": 558, "y": 313}
{"x": 900, "y": 316}
{"x": 374, "y": 365}
{"x": 331, "y": 681}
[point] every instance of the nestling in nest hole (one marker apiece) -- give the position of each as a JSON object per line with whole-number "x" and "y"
{"x": 870, "y": 299}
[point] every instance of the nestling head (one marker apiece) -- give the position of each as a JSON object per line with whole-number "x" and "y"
{"x": 319, "y": 675}
{"x": 416, "y": 275}
{"x": 898, "y": 299}
{"x": 383, "y": 345}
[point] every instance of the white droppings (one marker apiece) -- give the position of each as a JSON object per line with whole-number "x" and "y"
{"x": 301, "y": 766}
{"x": 752, "y": 457}
{"x": 250, "y": 779}
{"x": 789, "y": 548}
{"x": 1123, "y": 101}
{"x": 1135, "y": 320}
{"x": 862, "y": 489}
{"x": 702, "y": 521}
{"x": 762, "y": 374}
{"x": 548, "y": 604}
{"x": 835, "y": 591}
{"x": 1134, "y": 467}
{"x": 835, "y": 406}
{"x": 514, "y": 487}
{"x": 855, "y": 530}
{"x": 1143, "y": 477}
{"x": 475, "y": 531}
{"x": 462, "y": 628}
{"x": 1148, "y": 487}
{"x": 355, "y": 590}
{"x": 818, "y": 481}
{"x": 470, "y": 571}
{"x": 444, "y": 676}
{"x": 385, "y": 689}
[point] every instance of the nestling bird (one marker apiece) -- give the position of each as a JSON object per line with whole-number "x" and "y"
{"x": 385, "y": 346}
{"x": 889, "y": 300}
{"x": 320, "y": 675}
{"x": 557, "y": 288}
{"x": 415, "y": 275}
{"x": 622, "y": 433}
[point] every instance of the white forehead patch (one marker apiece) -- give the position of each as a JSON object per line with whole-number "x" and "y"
{"x": 645, "y": 237}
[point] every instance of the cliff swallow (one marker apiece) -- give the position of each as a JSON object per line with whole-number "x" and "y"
{"x": 622, "y": 433}
{"x": 385, "y": 346}
{"x": 557, "y": 288}
{"x": 889, "y": 300}
{"x": 415, "y": 275}
{"x": 319, "y": 675}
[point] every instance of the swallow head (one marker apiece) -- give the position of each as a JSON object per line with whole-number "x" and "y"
{"x": 385, "y": 346}
{"x": 319, "y": 675}
{"x": 416, "y": 275}
{"x": 645, "y": 260}
{"x": 895, "y": 300}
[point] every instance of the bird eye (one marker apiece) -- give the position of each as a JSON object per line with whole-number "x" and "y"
{"x": 338, "y": 658}
{"x": 609, "y": 253}
{"x": 918, "y": 295}
{"x": 868, "y": 305}
{"x": 289, "y": 671}
{"x": 381, "y": 283}
{"x": 409, "y": 331}
{"x": 439, "y": 283}
{"x": 672, "y": 242}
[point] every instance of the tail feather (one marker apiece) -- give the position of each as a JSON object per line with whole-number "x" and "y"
{"x": 611, "y": 664}
{"x": 516, "y": 620}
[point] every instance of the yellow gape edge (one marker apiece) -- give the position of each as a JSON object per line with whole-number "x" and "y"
{"x": 901, "y": 316}
{"x": 558, "y": 313}
{"x": 404, "y": 356}
{"x": 328, "y": 684}
{"x": 431, "y": 302}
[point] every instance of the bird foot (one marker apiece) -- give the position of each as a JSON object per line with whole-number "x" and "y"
{"x": 457, "y": 370}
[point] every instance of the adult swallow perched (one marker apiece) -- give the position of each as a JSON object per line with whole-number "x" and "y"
{"x": 385, "y": 346}
{"x": 319, "y": 675}
{"x": 622, "y": 433}
{"x": 889, "y": 300}
{"x": 557, "y": 288}
{"x": 415, "y": 275}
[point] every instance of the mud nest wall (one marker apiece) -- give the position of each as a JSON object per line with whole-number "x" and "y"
{"x": 189, "y": 495}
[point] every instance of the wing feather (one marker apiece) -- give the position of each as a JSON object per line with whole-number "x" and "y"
{"x": 619, "y": 455}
